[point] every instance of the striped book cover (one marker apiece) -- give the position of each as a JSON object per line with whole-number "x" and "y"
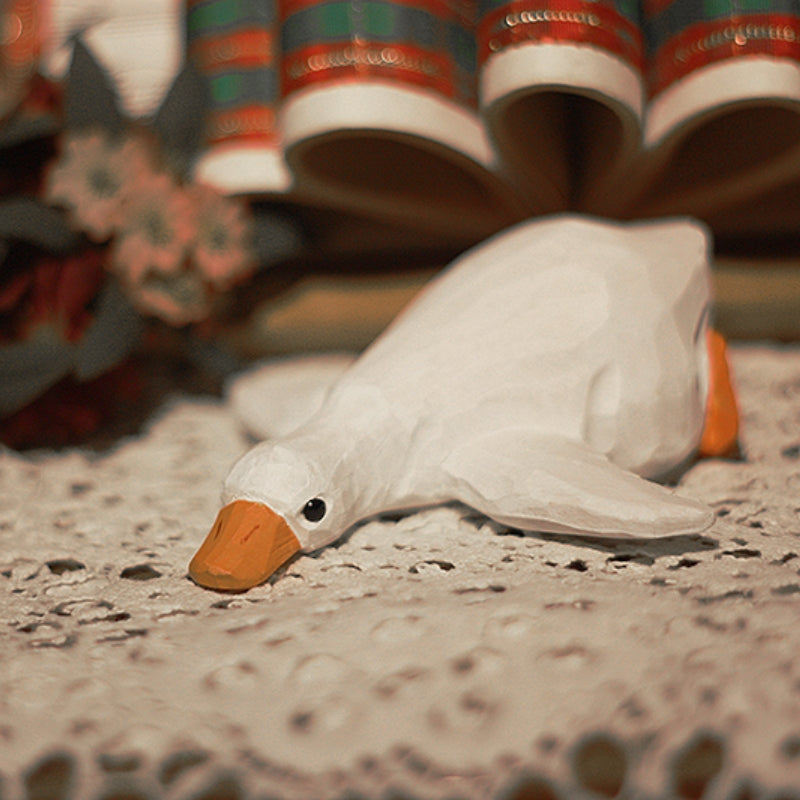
{"x": 474, "y": 113}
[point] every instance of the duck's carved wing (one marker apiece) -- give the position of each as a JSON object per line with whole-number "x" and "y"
{"x": 537, "y": 482}
{"x": 277, "y": 397}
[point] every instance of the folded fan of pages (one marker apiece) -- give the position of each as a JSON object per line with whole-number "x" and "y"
{"x": 428, "y": 117}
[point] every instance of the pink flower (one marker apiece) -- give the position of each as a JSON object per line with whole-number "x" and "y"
{"x": 178, "y": 299}
{"x": 92, "y": 179}
{"x": 222, "y": 251}
{"x": 155, "y": 231}
{"x": 57, "y": 292}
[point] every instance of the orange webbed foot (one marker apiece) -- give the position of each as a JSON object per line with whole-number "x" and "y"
{"x": 720, "y": 437}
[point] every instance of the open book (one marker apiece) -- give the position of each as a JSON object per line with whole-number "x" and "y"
{"x": 465, "y": 115}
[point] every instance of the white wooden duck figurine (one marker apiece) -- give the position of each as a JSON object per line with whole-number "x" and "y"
{"x": 541, "y": 379}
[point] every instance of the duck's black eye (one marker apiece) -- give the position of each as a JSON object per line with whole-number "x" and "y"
{"x": 314, "y": 510}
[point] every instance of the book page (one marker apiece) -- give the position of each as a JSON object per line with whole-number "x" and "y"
{"x": 562, "y": 91}
{"x": 723, "y": 121}
{"x": 379, "y": 113}
{"x": 397, "y": 154}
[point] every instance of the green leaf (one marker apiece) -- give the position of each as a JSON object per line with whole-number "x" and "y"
{"x": 31, "y": 367}
{"x": 177, "y": 121}
{"x": 90, "y": 99}
{"x": 24, "y": 128}
{"x": 29, "y": 220}
{"x": 113, "y": 334}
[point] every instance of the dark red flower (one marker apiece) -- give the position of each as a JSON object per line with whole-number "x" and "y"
{"x": 56, "y": 292}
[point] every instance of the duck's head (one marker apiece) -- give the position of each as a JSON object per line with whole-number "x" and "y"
{"x": 278, "y": 500}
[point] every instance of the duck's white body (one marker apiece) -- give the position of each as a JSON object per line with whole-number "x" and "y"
{"x": 534, "y": 380}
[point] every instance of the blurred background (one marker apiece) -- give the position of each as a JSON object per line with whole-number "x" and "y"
{"x": 188, "y": 187}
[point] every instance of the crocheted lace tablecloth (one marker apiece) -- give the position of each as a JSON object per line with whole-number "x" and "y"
{"x": 432, "y": 654}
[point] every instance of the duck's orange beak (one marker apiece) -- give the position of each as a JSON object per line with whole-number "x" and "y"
{"x": 247, "y": 543}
